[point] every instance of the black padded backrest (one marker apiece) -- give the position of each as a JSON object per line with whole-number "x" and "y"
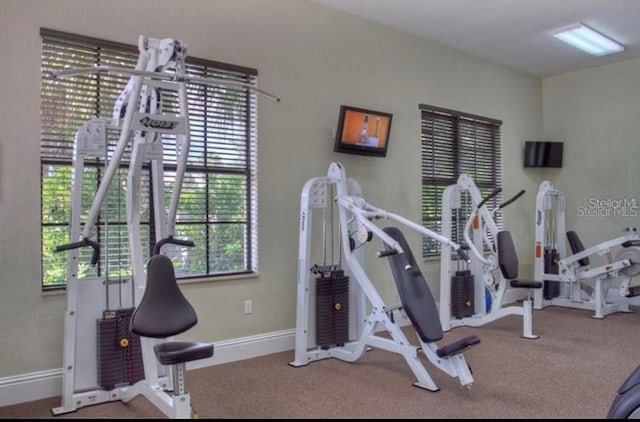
{"x": 576, "y": 247}
{"x": 415, "y": 295}
{"x": 163, "y": 310}
{"x": 507, "y": 255}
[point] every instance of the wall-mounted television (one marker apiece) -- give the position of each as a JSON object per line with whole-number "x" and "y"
{"x": 542, "y": 154}
{"x": 362, "y": 131}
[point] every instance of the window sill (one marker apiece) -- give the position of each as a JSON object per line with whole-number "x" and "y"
{"x": 214, "y": 279}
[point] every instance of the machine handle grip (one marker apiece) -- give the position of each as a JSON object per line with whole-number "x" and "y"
{"x": 463, "y": 255}
{"x": 491, "y": 195}
{"x": 170, "y": 239}
{"x": 81, "y": 244}
{"x": 516, "y": 196}
{"x": 387, "y": 252}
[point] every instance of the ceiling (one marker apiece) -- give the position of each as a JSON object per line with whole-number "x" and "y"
{"x": 515, "y": 33}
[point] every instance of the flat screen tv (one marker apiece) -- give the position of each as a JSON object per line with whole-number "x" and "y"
{"x": 543, "y": 154}
{"x": 363, "y": 132}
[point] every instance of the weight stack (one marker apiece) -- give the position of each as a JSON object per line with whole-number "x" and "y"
{"x": 462, "y": 294}
{"x": 551, "y": 288}
{"x": 119, "y": 350}
{"x": 332, "y": 309}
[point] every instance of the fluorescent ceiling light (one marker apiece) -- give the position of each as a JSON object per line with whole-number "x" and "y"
{"x": 588, "y": 40}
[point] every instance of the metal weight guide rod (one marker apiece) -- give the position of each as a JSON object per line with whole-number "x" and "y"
{"x": 138, "y": 117}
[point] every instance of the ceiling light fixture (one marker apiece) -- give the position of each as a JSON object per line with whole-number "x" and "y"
{"x": 586, "y": 39}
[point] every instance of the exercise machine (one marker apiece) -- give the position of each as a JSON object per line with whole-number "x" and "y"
{"x": 626, "y": 404}
{"x": 476, "y": 294}
{"x": 569, "y": 278}
{"x": 107, "y": 355}
{"x": 348, "y": 336}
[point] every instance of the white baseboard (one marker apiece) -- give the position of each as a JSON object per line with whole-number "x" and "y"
{"x": 28, "y": 387}
{"x": 44, "y": 384}
{"x": 247, "y": 348}
{"x": 514, "y": 295}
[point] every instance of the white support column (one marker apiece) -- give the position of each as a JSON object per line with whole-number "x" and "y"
{"x": 450, "y": 201}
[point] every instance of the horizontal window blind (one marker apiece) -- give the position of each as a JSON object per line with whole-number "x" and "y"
{"x": 218, "y": 204}
{"x": 453, "y": 143}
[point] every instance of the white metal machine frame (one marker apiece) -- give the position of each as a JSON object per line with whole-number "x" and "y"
{"x": 140, "y": 122}
{"x": 480, "y": 234}
{"x": 355, "y": 216}
{"x": 580, "y": 286}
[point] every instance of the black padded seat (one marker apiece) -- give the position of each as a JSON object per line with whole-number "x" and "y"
{"x": 173, "y": 352}
{"x": 417, "y": 299}
{"x": 576, "y": 247}
{"x": 164, "y": 312}
{"x": 509, "y": 265}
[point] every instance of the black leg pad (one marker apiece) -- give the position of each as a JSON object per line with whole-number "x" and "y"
{"x": 526, "y": 284}
{"x": 457, "y": 346}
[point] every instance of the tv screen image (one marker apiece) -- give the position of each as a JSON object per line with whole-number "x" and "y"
{"x": 543, "y": 154}
{"x": 362, "y": 131}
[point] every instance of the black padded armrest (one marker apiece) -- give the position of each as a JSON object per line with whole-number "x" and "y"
{"x": 458, "y": 346}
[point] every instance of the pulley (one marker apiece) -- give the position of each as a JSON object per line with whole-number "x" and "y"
{"x": 363, "y": 234}
{"x": 632, "y": 253}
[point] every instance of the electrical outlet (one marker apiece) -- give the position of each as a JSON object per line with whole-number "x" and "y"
{"x": 248, "y": 306}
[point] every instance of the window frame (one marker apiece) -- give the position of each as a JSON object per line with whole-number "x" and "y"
{"x": 436, "y": 142}
{"x": 240, "y": 164}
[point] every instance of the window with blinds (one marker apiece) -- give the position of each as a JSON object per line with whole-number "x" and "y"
{"x": 453, "y": 143}
{"x": 218, "y": 203}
